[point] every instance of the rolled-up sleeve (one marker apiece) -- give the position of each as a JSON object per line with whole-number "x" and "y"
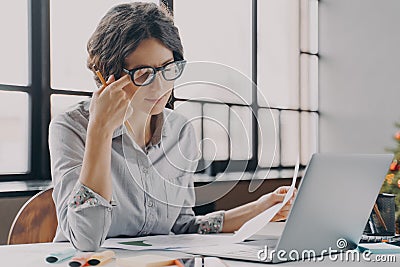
{"x": 187, "y": 222}
{"x": 83, "y": 215}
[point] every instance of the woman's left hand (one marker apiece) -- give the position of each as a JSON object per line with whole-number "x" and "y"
{"x": 268, "y": 200}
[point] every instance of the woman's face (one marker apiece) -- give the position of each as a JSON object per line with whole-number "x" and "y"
{"x": 150, "y": 99}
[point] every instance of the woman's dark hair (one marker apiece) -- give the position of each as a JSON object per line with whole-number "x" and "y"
{"x": 122, "y": 29}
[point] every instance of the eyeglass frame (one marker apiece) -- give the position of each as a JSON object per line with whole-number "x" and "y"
{"x": 155, "y": 70}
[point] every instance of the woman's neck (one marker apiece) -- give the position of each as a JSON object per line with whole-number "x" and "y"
{"x": 141, "y": 130}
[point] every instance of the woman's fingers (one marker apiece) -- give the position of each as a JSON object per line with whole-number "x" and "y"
{"x": 282, "y": 214}
{"x": 120, "y": 83}
{"x": 278, "y": 197}
{"x": 281, "y": 192}
{"x": 130, "y": 93}
{"x": 97, "y": 92}
{"x": 282, "y": 189}
{"x": 280, "y": 217}
{"x": 110, "y": 80}
{"x": 114, "y": 85}
{"x": 285, "y": 208}
{"x": 110, "y": 103}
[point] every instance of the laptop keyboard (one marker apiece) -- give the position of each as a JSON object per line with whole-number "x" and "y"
{"x": 379, "y": 238}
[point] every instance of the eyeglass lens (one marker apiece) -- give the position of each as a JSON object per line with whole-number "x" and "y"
{"x": 145, "y": 76}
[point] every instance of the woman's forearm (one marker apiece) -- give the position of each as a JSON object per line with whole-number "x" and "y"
{"x": 236, "y": 217}
{"x": 96, "y": 167}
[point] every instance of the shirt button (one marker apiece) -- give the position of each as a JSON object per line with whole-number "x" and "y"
{"x": 150, "y": 203}
{"x": 145, "y": 170}
{"x": 109, "y": 209}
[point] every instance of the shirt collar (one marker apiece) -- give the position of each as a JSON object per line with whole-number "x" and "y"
{"x": 159, "y": 132}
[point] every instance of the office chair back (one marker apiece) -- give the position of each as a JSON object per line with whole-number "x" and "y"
{"x": 36, "y": 221}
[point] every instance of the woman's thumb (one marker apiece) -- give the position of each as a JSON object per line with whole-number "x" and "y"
{"x": 111, "y": 79}
{"x": 279, "y": 197}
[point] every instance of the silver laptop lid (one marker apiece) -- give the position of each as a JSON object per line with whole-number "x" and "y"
{"x": 333, "y": 204}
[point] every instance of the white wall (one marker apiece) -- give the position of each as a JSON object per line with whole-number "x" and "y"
{"x": 359, "y": 44}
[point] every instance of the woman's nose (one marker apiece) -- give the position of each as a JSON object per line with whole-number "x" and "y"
{"x": 159, "y": 84}
{"x": 156, "y": 85}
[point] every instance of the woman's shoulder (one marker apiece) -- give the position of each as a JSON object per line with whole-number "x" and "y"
{"x": 174, "y": 118}
{"x": 178, "y": 125}
{"x": 75, "y": 117}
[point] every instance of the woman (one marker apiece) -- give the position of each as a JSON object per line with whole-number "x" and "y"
{"x": 121, "y": 163}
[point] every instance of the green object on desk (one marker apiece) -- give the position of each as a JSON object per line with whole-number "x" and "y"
{"x": 136, "y": 243}
{"x": 60, "y": 256}
{"x": 379, "y": 248}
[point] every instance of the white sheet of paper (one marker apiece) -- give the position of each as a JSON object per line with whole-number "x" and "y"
{"x": 193, "y": 240}
{"x": 257, "y": 223}
{"x": 166, "y": 241}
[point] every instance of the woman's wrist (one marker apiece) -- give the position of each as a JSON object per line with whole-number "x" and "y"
{"x": 262, "y": 203}
{"x": 99, "y": 130}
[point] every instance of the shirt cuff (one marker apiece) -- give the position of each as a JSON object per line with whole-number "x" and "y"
{"x": 83, "y": 197}
{"x": 211, "y": 223}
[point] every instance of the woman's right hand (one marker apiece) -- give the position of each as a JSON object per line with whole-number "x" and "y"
{"x": 109, "y": 106}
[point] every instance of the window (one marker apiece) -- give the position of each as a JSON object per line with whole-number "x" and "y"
{"x": 14, "y": 48}
{"x": 15, "y": 90}
{"x": 14, "y": 136}
{"x": 244, "y": 127}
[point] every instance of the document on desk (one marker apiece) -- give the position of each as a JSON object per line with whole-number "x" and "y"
{"x": 193, "y": 240}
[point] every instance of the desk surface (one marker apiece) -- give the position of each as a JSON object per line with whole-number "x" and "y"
{"x": 34, "y": 255}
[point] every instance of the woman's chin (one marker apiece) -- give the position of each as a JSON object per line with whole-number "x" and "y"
{"x": 157, "y": 108}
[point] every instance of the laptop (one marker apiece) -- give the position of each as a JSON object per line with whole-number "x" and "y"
{"x": 329, "y": 214}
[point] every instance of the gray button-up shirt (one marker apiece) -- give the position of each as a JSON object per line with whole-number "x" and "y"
{"x": 153, "y": 189}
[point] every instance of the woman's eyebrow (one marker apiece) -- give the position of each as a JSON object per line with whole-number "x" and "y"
{"x": 167, "y": 61}
{"x": 142, "y": 65}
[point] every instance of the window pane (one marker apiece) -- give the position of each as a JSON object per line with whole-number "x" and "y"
{"x": 268, "y": 138}
{"x": 215, "y": 142}
{"x": 241, "y": 133}
{"x": 217, "y": 32}
{"x": 14, "y": 62}
{"x": 60, "y": 103}
{"x": 278, "y": 53}
{"x": 309, "y": 82}
{"x": 309, "y": 135}
{"x": 204, "y": 41}
{"x": 309, "y": 26}
{"x": 290, "y": 135}
{"x": 192, "y": 111}
{"x": 213, "y": 82}
{"x": 68, "y": 40}
{"x": 14, "y": 133}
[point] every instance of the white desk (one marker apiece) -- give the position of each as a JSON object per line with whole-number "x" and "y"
{"x": 33, "y": 255}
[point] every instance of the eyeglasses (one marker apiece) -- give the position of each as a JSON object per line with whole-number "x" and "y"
{"x": 145, "y": 75}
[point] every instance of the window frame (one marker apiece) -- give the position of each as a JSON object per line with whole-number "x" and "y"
{"x": 251, "y": 165}
{"x": 39, "y": 91}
